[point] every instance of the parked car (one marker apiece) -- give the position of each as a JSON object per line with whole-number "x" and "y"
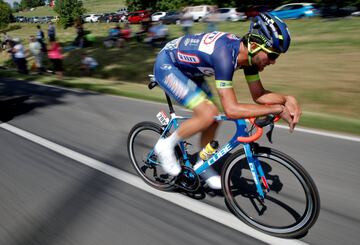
{"x": 42, "y": 20}
{"x": 117, "y": 18}
{"x": 138, "y": 16}
{"x": 199, "y": 12}
{"x": 255, "y": 10}
{"x": 295, "y": 11}
{"x": 20, "y": 19}
{"x": 105, "y": 17}
{"x": 36, "y": 19}
{"x": 171, "y": 17}
{"x": 229, "y": 14}
{"x": 157, "y": 15}
{"x": 123, "y": 11}
{"x": 92, "y": 18}
{"x": 49, "y": 19}
{"x": 335, "y": 11}
{"x": 356, "y": 13}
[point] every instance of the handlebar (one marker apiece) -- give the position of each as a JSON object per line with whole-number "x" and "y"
{"x": 259, "y": 123}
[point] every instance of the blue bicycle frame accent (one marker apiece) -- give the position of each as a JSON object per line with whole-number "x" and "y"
{"x": 241, "y": 130}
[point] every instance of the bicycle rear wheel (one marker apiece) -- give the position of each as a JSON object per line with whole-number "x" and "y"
{"x": 290, "y": 208}
{"x": 141, "y": 141}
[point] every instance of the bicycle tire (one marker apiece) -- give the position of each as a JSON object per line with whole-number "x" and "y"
{"x": 271, "y": 160}
{"x": 160, "y": 183}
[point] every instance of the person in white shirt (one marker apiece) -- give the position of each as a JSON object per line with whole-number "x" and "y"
{"x": 35, "y": 50}
{"x": 88, "y": 64}
{"x": 20, "y": 57}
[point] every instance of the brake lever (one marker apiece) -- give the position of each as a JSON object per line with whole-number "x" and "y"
{"x": 269, "y": 133}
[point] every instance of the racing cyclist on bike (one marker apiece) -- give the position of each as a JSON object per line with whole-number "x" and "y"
{"x": 182, "y": 64}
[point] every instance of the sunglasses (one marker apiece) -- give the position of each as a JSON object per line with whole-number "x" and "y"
{"x": 272, "y": 55}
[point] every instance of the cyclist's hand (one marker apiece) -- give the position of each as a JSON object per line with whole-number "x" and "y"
{"x": 294, "y": 109}
{"x": 286, "y": 116}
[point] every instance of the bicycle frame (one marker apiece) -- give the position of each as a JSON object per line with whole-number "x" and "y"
{"x": 241, "y": 130}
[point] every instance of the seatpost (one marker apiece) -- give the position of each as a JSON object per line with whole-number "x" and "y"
{"x": 171, "y": 108}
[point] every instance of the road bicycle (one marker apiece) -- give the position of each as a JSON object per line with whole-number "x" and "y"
{"x": 263, "y": 187}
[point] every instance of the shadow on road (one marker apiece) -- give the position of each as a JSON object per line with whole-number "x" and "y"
{"x": 21, "y": 97}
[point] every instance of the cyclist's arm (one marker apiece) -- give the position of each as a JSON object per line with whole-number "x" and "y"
{"x": 224, "y": 72}
{"x": 266, "y": 97}
{"x": 234, "y": 110}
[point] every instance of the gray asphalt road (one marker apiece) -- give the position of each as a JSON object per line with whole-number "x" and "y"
{"x": 47, "y": 198}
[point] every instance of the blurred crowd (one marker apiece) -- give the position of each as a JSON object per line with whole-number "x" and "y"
{"x": 46, "y": 54}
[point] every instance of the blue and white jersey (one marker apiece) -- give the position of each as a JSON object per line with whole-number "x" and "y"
{"x": 207, "y": 54}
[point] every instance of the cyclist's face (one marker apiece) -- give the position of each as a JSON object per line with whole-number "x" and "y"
{"x": 261, "y": 60}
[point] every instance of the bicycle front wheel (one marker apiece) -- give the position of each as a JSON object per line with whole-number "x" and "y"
{"x": 141, "y": 141}
{"x": 290, "y": 208}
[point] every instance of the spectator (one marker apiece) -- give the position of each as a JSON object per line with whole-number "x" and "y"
{"x": 211, "y": 20}
{"x": 114, "y": 38}
{"x": 114, "y": 33}
{"x": 80, "y": 36}
{"x": 126, "y": 32}
{"x": 88, "y": 64}
{"x": 10, "y": 50}
{"x": 186, "y": 22}
{"x": 5, "y": 41}
{"x": 144, "y": 29}
{"x": 51, "y": 32}
{"x": 35, "y": 50}
{"x": 19, "y": 56}
{"x": 56, "y": 57}
{"x": 40, "y": 37}
{"x": 157, "y": 33}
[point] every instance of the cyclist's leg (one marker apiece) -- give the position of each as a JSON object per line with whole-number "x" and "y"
{"x": 186, "y": 93}
{"x": 208, "y": 134}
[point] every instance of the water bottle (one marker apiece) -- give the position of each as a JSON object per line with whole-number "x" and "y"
{"x": 207, "y": 152}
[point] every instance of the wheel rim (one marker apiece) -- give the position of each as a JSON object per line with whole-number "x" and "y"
{"x": 278, "y": 216}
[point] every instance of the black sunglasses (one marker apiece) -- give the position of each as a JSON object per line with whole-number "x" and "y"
{"x": 272, "y": 56}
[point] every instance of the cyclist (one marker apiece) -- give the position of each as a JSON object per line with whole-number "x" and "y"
{"x": 180, "y": 68}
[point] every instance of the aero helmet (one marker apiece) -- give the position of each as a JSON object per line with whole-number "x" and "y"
{"x": 272, "y": 31}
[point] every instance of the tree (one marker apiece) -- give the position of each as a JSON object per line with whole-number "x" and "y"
{"x": 5, "y": 14}
{"x": 16, "y": 6}
{"x": 69, "y": 11}
{"x": 26, "y": 4}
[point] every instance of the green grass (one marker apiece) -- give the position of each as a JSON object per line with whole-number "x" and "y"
{"x": 91, "y": 6}
{"x": 321, "y": 68}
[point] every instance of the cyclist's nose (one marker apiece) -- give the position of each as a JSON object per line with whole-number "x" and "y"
{"x": 272, "y": 62}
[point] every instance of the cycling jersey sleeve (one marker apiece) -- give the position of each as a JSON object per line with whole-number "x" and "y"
{"x": 251, "y": 74}
{"x": 224, "y": 67}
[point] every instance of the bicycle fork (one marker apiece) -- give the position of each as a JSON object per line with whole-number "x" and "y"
{"x": 257, "y": 172}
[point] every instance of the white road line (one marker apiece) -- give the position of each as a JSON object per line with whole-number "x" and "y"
{"x": 322, "y": 133}
{"x": 195, "y": 206}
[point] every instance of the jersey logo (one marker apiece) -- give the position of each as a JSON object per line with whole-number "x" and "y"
{"x": 207, "y": 44}
{"x": 232, "y": 37}
{"x": 165, "y": 67}
{"x": 191, "y": 41}
{"x": 176, "y": 86}
{"x": 207, "y": 71}
{"x": 188, "y": 58}
{"x": 212, "y": 37}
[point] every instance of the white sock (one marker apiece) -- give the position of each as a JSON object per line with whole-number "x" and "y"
{"x": 173, "y": 139}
